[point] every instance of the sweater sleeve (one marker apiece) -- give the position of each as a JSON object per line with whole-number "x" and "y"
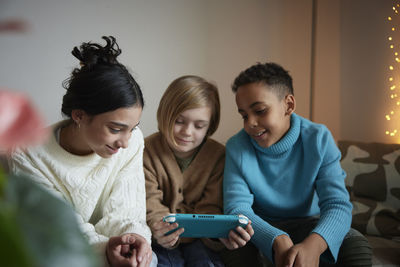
{"x": 238, "y": 199}
{"x": 335, "y": 207}
{"x": 124, "y": 210}
{"x": 21, "y": 164}
{"x": 154, "y": 196}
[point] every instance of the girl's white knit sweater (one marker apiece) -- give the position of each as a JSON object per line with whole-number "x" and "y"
{"x": 108, "y": 194}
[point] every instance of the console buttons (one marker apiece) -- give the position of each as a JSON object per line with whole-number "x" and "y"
{"x": 170, "y": 219}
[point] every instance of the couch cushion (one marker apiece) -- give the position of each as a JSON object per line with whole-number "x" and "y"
{"x": 385, "y": 251}
{"x": 373, "y": 180}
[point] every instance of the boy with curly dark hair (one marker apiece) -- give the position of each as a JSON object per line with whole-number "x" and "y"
{"x": 283, "y": 172}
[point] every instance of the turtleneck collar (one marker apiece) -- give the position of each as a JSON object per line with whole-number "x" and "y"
{"x": 286, "y": 142}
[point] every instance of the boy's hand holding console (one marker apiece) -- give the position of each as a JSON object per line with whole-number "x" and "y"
{"x": 233, "y": 231}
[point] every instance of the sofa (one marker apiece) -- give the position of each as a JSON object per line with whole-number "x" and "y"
{"x": 373, "y": 181}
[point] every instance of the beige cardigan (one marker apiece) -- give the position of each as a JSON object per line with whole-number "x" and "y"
{"x": 197, "y": 190}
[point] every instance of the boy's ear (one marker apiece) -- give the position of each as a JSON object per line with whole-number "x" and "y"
{"x": 290, "y": 102}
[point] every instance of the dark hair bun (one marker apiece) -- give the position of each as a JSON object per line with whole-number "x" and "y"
{"x": 91, "y": 54}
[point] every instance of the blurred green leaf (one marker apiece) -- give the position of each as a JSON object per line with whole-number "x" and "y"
{"x": 13, "y": 252}
{"x": 47, "y": 228}
{"x": 2, "y": 181}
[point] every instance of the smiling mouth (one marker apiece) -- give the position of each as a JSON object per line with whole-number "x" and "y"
{"x": 260, "y": 133}
{"x": 183, "y": 141}
{"x": 113, "y": 150}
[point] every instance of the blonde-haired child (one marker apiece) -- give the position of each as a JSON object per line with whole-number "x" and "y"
{"x": 183, "y": 171}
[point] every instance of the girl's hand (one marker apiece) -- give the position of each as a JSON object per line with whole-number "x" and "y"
{"x": 238, "y": 237}
{"x": 159, "y": 229}
{"x": 128, "y": 250}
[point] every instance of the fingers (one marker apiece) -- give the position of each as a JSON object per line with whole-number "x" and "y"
{"x": 249, "y": 229}
{"x": 116, "y": 241}
{"x": 161, "y": 228}
{"x": 118, "y": 251}
{"x": 143, "y": 262}
{"x": 227, "y": 243}
{"x": 234, "y": 237}
{"x": 233, "y": 241}
{"x": 171, "y": 239}
{"x": 245, "y": 234}
{"x": 290, "y": 257}
{"x": 147, "y": 259}
{"x": 125, "y": 250}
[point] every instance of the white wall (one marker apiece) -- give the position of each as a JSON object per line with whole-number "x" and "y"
{"x": 160, "y": 41}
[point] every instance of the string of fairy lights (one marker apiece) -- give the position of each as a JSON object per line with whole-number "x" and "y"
{"x": 396, "y": 59}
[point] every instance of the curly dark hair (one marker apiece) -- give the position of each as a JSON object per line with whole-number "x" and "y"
{"x": 101, "y": 84}
{"x": 270, "y": 74}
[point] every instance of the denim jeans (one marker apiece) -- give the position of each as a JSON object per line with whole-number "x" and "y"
{"x": 194, "y": 254}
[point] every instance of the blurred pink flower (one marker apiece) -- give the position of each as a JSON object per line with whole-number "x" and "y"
{"x": 20, "y": 123}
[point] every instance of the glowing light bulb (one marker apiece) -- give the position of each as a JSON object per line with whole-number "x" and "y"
{"x": 392, "y": 87}
{"x": 391, "y": 67}
{"x": 390, "y": 38}
{"x": 391, "y": 79}
{"x": 389, "y": 18}
{"x": 388, "y": 117}
{"x": 387, "y": 132}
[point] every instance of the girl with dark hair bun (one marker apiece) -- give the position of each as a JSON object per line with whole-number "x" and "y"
{"x": 94, "y": 158}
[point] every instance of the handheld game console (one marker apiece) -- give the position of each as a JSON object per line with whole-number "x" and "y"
{"x": 206, "y": 225}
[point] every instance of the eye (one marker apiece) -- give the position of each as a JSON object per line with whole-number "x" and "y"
{"x": 114, "y": 130}
{"x": 244, "y": 117}
{"x": 261, "y": 111}
{"x": 200, "y": 126}
{"x": 179, "y": 121}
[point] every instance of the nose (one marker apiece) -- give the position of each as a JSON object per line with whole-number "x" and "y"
{"x": 186, "y": 129}
{"x": 252, "y": 122}
{"x": 123, "y": 141}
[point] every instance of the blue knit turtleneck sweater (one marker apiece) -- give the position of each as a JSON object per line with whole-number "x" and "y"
{"x": 298, "y": 176}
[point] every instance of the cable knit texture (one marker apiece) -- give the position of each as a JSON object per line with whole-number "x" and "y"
{"x": 108, "y": 194}
{"x": 298, "y": 176}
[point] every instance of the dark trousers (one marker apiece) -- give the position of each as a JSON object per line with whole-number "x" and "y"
{"x": 194, "y": 254}
{"x": 354, "y": 251}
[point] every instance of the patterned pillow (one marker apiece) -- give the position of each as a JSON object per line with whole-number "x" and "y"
{"x": 373, "y": 180}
